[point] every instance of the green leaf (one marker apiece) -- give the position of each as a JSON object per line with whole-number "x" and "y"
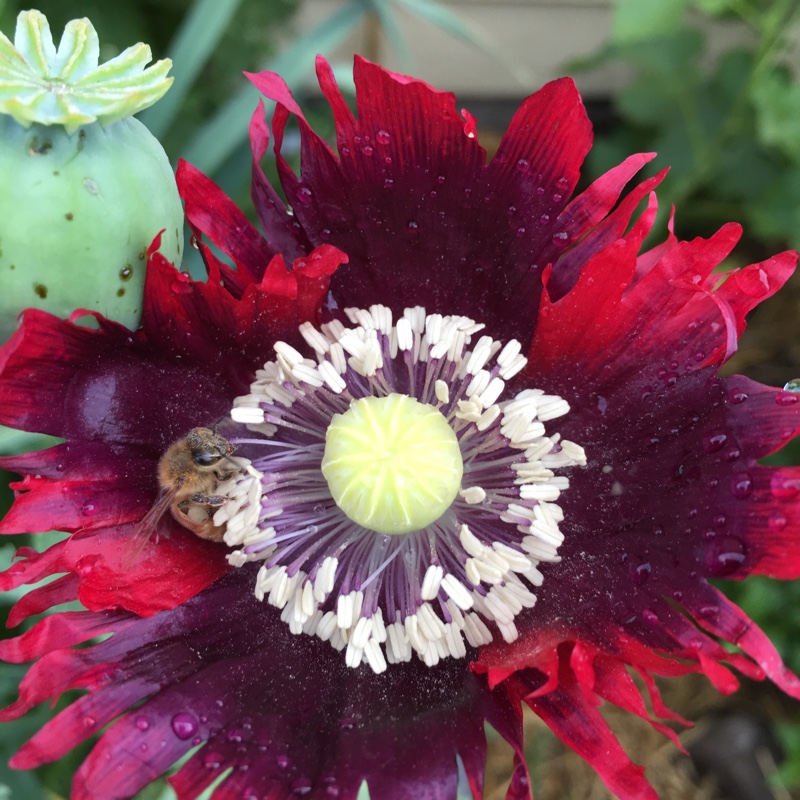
{"x": 775, "y": 213}
{"x": 777, "y": 100}
{"x": 194, "y": 43}
{"x": 641, "y": 19}
{"x": 227, "y": 129}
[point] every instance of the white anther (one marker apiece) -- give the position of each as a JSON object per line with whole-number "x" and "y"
{"x": 470, "y": 542}
{"x": 471, "y": 569}
{"x": 516, "y": 366}
{"x": 413, "y": 633}
{"x": 541, "y": 551}
{"x": 539, "y": 491}
{"x": 375, "y": 658}
{"x": 308, "y": 604}
{"x": 315, "y": 338}
{"x": 575, "y": 452}
{"x": 457, "y": 592}
{"x": 361, "y": 632}
{"x": 488, "y": 417}
{"x": 353, "y": 655}
{"x": 345, "y": 606}
{"x": 473, "y": 495}
{"x": 287, "y": 354}
{"x": 517, "y": 561}
{"x": 429, "y": 623}
{"x": 247, "y": 415}
{"x": 338, "y": 358}
{"x": 442, "y": 391}
{"x": 500, "y": 609}
{"x": 551, "y": 407}
{"x": 398, "y": 648}
{"x": 378, "y": 628}
{"x": 479, "y": 356}
{"x": 475, "y": 630}
{"x": 333, "y": 380}
{"x": 311, "y": 624}
{"x": 478, "y": 384}
{"x": 508, "y": 631}
{"x": 431, "y": 582}
{"x": 309, "y": 374}
{"x": 326, "y": 626}
{"x": 455, "y": 612}
{"x": 534, "y": 576}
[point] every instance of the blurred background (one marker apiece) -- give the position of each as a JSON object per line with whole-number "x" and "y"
{"x": 711, "y": 85}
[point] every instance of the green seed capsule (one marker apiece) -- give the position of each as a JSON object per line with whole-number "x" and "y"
{"x": 86, "y": 187}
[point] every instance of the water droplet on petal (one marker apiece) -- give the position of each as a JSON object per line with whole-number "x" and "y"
{"x": 714, "y": 441}
{"x": 786, "y": 398}
{"x": 784, "y": 486}
{"x": 367, "y": 150}
{"x": 184, "y": 725}
{"x": 142, "y": 723}
{"x": 737, "y": 396}
{"x": 304, "y": 194}
{"x": 544, "y": 219}
{"x": 724, "y": 555}
{"x": 639, "y": 571}
{"x": 562, "y": 184}
{"x": 325, "y": 233}
{"x": 777, "y": 521}
{"x": 523, "y": 166}
{"x": 650, "y": 617}
{"x": 88, "y": 509}
{"x": 283, "y": 761}
{"x": 347, "y": 724}
{"x": 520, "y": 231}
{"x": 742, "y": 485}
{"x": 383, "y": 137}
{"x": 212, "y": 760}
{"x": 301, "y": 787}
{"x": 412, "y": 226}
{"x": 792, "y": 385}
{"x": 557, "y": 198}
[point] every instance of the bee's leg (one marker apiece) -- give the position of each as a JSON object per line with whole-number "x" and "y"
{"x": 210, "y": 500}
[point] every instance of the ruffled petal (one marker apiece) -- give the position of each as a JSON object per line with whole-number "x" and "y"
{"x": 283, "y": 711}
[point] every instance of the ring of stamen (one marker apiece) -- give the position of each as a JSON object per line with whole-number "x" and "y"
{"x": 430, "y": 590}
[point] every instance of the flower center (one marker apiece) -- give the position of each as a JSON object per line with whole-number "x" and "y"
{"x": 397, "y": 505}
{"x": 393, "y": 464}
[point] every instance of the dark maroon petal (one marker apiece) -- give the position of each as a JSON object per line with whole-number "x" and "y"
{"x": 104, "y": 385}
{"x": 281, "y": 230}
{"x": 412, "y": 202}
{"x": 230, "y": 336}
{"x": 284, "y": 711}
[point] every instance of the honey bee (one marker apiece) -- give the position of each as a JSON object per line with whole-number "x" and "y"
{"x": 189, "y": 473}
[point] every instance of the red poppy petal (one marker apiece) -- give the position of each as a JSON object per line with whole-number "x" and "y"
{"x": 578, "y": 723}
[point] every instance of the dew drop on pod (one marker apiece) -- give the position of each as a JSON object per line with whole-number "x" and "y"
{"x": 85, "y": 187}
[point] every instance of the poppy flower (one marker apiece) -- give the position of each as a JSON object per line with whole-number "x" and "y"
{"x": 483, "y": 457}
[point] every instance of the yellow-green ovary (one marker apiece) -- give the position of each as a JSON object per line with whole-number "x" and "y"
{"x": 392, "y": 464}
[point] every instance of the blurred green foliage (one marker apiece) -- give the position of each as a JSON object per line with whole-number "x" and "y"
{"x": 727, "y": 121}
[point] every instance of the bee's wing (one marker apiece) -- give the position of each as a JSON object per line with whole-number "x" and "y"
{"x": 147, "y": 526}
